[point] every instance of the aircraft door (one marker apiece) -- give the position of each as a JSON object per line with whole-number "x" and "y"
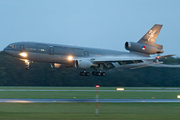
{"x": 42, "y": 53}
{"x": 22, "y": 48}
{"x": 51, "y": 53}
{"x": 86, "y": 53}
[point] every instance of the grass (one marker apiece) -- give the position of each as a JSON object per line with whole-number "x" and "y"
{"x": 163, "y": 93}
{"x": 86, "y": 111}
{"x": 89, "y": 94}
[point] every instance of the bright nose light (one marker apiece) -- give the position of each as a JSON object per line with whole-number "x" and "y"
{"x": 23, "y": 54}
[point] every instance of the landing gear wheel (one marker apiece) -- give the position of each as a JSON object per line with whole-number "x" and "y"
{"x": 87, "y": 74}
{"x": 84, "y": 74}
{"x": 103, "y": 74}
{"x": 27, "y": 68}
{"x": 98, "y": 73}
{"x": 94, "y": 73}
{"x": 81, "y": 73}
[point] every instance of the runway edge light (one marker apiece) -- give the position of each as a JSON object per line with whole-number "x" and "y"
{"x": 120, "y": 89}
{"x": 97, "y": 86}
{"x": 178, "y": 96}
{"x": 97, "y": 100}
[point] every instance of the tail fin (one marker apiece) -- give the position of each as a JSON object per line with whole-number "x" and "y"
{"x": 150, "y": 37}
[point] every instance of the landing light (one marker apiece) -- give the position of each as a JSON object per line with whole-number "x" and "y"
{"x": 70, "y": 58}
{"x": 23, "y": 54}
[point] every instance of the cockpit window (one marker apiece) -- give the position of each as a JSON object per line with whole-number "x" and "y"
{"x": 12, "y": 46}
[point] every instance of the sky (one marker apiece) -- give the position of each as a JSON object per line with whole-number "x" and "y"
{"x": 90, "y": 23}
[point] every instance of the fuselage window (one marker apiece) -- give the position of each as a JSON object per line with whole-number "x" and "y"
{"x": 12, "y": 46}
{"x": 42, "y": 48}
{"x": 31, "y": 49}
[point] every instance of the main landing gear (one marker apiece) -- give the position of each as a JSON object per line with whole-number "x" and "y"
{"x": 94, "y": 73}
{"x": 84, "y": 73}
{"x": 100, "y": 73}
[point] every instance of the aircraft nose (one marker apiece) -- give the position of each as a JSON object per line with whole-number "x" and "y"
{"x": 5, "y": 49}
{"x": 8, "y": 51}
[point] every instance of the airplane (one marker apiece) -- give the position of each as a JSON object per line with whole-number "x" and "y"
{"x": 66, "y": 56}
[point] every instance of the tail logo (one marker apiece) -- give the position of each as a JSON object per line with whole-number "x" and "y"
{"x": 143, "y": 47}
{"x": 156, "y": 31}
{"x": 150, "y": 35}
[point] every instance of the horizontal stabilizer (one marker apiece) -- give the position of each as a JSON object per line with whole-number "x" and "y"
{"x": 164, "y": 65}
{"x": 166, "y": 56}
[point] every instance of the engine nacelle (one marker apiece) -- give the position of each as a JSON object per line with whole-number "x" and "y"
{"x": 56, "y": 65}
{"x": 142, "y": 48}
{"x": 83, "y": 64}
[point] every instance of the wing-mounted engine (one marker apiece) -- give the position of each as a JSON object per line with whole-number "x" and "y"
{"x": 144, "y": 48}
{"x": 57, "y": 65}
{"x": 83, "y": 64}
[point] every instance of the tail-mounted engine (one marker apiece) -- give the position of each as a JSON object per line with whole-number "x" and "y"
{"x": 143, "y": 48}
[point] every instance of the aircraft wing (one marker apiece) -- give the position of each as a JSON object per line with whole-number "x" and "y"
{"x": 126, "y": 58}
{"x": 119, "y": 59}
{"x": 132, "y": 62}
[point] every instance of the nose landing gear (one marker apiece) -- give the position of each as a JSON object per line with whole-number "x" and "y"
{"x": 27, "y": 67}
{"x": 27, "y": 64}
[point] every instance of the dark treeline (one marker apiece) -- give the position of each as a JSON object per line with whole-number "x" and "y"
{"x": 13, "y": 73}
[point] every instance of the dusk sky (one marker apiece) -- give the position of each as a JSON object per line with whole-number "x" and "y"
{"x": 91, "y": 23}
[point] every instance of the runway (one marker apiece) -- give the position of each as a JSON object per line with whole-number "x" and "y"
{"x": 89, "y": 100}
{"x": 21, "y": 90}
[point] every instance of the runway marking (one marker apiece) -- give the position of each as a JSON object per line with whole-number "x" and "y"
{"x": 21, "y": 90}
{"x": 90, "y": 88}
{"x": 89, "y": 100}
